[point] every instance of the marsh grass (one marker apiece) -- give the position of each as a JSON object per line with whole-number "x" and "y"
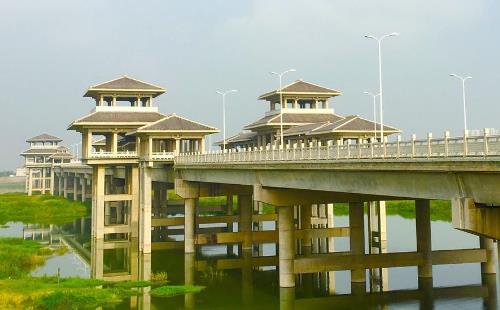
{"x": 173, "y": 290}
{"x": 41, "y": 209}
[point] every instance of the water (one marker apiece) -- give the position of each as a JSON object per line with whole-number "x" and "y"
{"x": 452, "y": 287}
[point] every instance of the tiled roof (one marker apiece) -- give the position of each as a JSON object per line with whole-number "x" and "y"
{"x": 302, "y": 87}
{"x": 295, "y": 119}
{"x": 174, "y": 122}
{"x": 40, "y": 151}
{"x": 119, "y": 117}
{"x": 44, "y": 137}
{"x": 303, "y": 129}
{"x": 239, "y": 137}
{"x": 354, "y": 123}
{"x": 125, "y": 83}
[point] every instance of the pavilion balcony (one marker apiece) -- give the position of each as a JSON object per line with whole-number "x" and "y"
{"x": 162, "y": 156}
{"x": 119, "y": 154}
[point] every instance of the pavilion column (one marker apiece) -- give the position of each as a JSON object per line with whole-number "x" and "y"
{"x": 189, "y": 225}
{"x": 60, "y": 184}
{"x": 202, "y": 146}
{"x": 489, "y": 266}
{"x": 145, "y": 209}
{"x": 357, "y": 237}
{"x": 30, "y": 182}
{"x": 83, "y": 183}
{"x": 134, "y": 188}
{"x": 51, "y": 184}
{"x": 286, "y": 246}
{"x": 43, "y": 180}
{"x": 75, "y": 187}
{"x": 177, "y": 149}
{"x": 305, "y": 223}
{"x": 98, "y": 178}
{"x": 424, "y": 242}
{"x": 65, "y": 185}
{"x": 245, "y": 206}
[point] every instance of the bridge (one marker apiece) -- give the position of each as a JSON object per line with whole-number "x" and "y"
{"x": 152, "y": 183}
{"x": 303, "y": 183}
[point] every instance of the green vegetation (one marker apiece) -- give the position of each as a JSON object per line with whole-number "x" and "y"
{"x": 42, "y": 209}
{"x": 440, "y": 209}
{"x": 173, "y": 290}
{"x": 19, "y": 257}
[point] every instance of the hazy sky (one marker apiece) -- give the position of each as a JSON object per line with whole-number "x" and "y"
{"x": 52, "y": 51}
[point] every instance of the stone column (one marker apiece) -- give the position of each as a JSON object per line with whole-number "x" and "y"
{"x": 305, "y": 223}
{"x": 65, "y": 185}
{"x": 229, "y": 211}
{"x": 489, "y": 266}
{"x": 44, "y": 170}
{"x": 52, "y": 173}
{"x": 189, "y": 268}
{"x": 75, "y": 187}
{"x": 424, "y": 244}
{"x": 83, "y": 183}
{"x": 357, "y": 237}
{"x": 145, "y": 210}
{"x": 189, "y": 225}
{"x": 245, "y": 207}
{"x": 286, "y": 246}
{"x": 133, "y": 188}
{"x": 98, "y": 177}
{"x": 60, "y": 184}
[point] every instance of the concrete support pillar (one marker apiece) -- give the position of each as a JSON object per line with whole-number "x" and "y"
{"x": 331, "y": 247}
{"x": 245, "y": 208}
{"x": 229, "y": 211}
{"x": 43, "y": 180}
{"x": 189, "y": 225}
{"x": 489, "y": 266}
{"x": 189, "y": 268}
{"x": 424, "y": 243}
{"x": 76, "y": 182}
{"x": 83, "y": 183}
{"x": 145, "y": 210}
{"x": 357, "y": 237}
{"x": 133, "y": 188}
{"x": 97, "y": 201}
{"x": 286, "y": 246}
{"x": 305, "y": 223}
{"x": 65, "y": 185}
{"x": 52, "y": 173}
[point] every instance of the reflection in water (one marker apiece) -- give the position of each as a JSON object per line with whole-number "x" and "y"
{"x": 238, "y": 279}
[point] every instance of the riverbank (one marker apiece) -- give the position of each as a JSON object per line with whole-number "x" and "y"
{"x": 39, "y": 209}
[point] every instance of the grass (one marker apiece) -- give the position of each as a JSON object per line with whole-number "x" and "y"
{"x": 173, "y": 290}
{"x": 18, "y": 257}
{"x": 440, "y": 209}
{"x": 41, "y": 209}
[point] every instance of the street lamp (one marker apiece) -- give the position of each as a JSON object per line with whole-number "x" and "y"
{"x": 280, "y": 75}
{"x": 463, "y": 79}
{"x": 374, "y": 112}
{"x": 379, "y": 41}
{"x": 223, "y": 94}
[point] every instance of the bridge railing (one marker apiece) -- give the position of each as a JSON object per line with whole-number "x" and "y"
{"x": 447, "y": 147}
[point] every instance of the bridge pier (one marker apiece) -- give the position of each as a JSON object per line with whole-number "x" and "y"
{"x": 489, "y": 266}
{"x": 286, "y": 228}
{"x": 189, "y": 225}
{"x": 357, "y": 237}
{"x": 245, "y": 208}
{"x": 424, "y": 242}
{"x": 305, "y": 223}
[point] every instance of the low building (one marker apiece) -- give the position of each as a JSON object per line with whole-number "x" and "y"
{"x": 39, "y": 160}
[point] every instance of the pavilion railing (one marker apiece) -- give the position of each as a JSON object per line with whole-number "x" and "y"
{"x": 162, "y": 156}
{"x": 118, "y": 154}
{"x": 466, "y": 146}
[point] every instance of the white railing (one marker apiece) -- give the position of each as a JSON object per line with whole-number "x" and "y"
{"x": 162, "y": 156}
{"x": 121, "y": 154}
{"x": 457, "y": 147}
